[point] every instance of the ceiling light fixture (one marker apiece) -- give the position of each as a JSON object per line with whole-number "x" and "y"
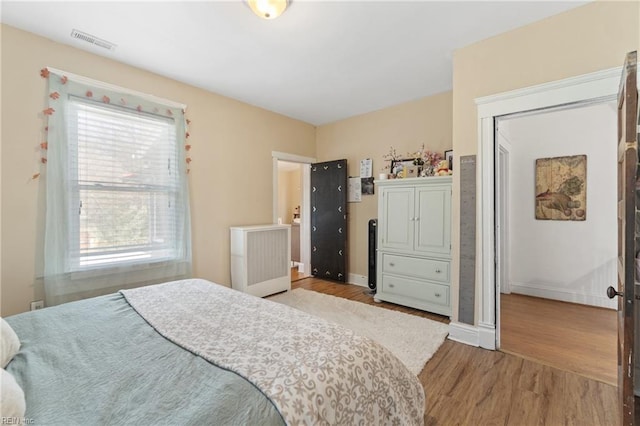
{"x": 268, "y": 9}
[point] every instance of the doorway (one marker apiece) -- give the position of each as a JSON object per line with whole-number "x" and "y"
{"x": 289, "y": 208}
{"x": 291, "y": 189}
{"x": 556, "y": 203}
{"x": 561, "y": 237}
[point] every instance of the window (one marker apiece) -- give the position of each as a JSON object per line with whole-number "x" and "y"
{"x": 124, "y": 184}
{"x": 117, "y": 204}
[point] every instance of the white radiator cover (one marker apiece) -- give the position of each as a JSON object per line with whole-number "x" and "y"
{"x": 261, "y": 259}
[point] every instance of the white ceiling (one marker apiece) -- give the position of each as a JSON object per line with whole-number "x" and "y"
{"x": 320, "y": 62}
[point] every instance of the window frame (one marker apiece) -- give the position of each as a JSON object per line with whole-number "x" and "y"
{"x": 79, "y": 262}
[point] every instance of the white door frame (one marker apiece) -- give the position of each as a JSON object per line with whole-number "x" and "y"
{"x": 503, "y": 285}
{"x": 602, "y": 85}
{"x": 305, "y": 217}
{"x": 503, "y": 248}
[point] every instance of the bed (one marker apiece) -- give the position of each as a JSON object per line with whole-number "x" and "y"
{"x": 193, "y": 352}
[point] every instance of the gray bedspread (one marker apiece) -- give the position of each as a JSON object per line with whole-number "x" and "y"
{"x": 97, "y": 362}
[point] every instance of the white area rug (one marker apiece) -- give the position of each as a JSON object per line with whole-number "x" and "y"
{"x": 413, "y": 340}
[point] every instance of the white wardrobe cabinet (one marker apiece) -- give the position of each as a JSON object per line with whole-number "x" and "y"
{"x": 414, "y": 243}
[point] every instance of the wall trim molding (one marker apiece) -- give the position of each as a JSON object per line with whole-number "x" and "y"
{"x": 569, "y": 90}
{"x": 464, "y": 333}
{"x": 356, "y": 279}
{"x": 294, "y": 158}
{"x": 487, "y": 336}
{"x": 547, "y": 292}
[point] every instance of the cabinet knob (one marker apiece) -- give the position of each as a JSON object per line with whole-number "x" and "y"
{"x": 417, "y": 219}
{"x": 392, "y": 285}
{"x": 438, "y": 271}
{"x": 392, "y": 264}
{"x": 437, "y": 294}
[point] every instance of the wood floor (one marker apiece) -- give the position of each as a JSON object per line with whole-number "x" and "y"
{"x": 465, "y": 385}
{"x": 577, "y": 338}
{"x": 295, "y": 275}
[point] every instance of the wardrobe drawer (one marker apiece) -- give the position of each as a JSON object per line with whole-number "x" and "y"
{"x": 427, "y": 292}
{"x": 428, "y": 269}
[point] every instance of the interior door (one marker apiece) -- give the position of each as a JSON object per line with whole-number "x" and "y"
{"x": 627, "y": 178}
{"x": 329, "y": 220}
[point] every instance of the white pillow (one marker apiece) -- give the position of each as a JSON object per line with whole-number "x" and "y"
{"x": 12, "y": 403}
{"x": 9, "y": 343}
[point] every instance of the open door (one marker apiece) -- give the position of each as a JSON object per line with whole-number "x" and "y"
{"x": 329, "y": 220}
{"x": 627, "y": 246}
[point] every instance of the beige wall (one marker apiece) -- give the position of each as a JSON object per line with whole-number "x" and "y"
{"x": 586, "y": 39}
{"x": 289, "y": 193}
{"x": 294, "y": 181}
{"x": 283, "y": 195}
{"x": 230, "y": 175}
{"x": 405, "y": 127}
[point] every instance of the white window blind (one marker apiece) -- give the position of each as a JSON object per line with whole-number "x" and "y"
{"x": 124, "y": 185}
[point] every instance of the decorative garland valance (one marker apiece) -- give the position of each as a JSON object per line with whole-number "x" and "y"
{"x": 66, "y": 84}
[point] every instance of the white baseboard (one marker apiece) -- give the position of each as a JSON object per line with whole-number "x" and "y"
{"x": 487, "y": 336}
{"x": 563, "y": 295}
{"x": 464, "y": 333}
{"x": 356, "y": 279}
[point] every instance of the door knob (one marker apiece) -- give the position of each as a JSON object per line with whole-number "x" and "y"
{"x": 611, "y": 293}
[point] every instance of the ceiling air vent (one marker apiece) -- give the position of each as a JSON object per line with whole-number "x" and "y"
{"x": 92, "y": 39}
